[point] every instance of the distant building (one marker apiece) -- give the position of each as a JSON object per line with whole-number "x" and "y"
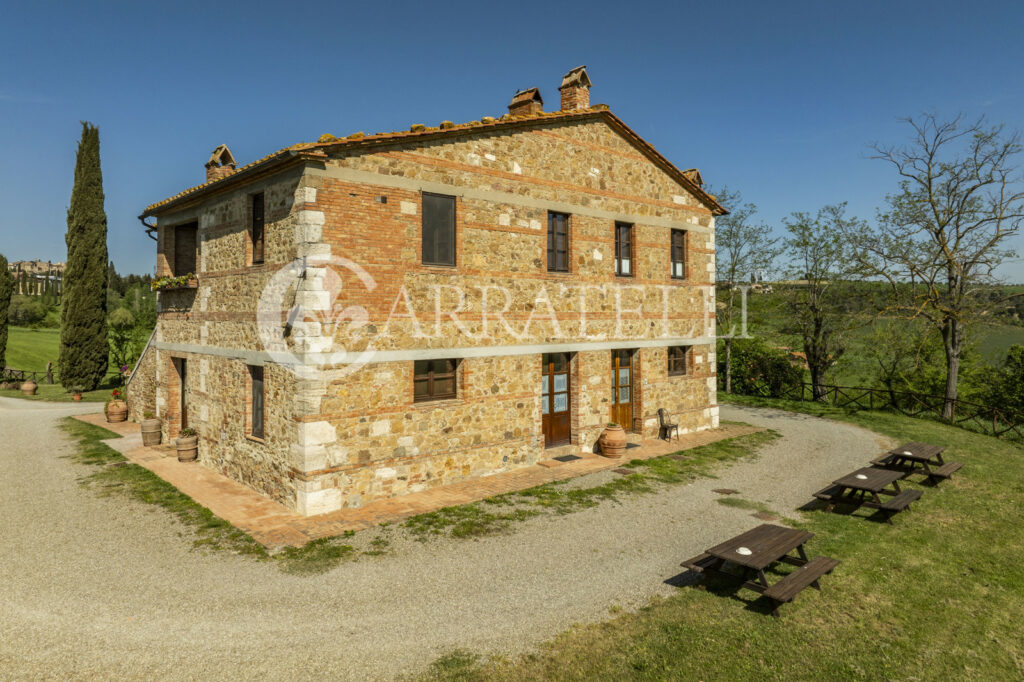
{"x": 36, "y": 277}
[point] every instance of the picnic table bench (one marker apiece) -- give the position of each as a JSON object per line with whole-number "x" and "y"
{"x": 865, "y": 487}
{"x": 909, "y": 456}
{"x": 755, "y": 551}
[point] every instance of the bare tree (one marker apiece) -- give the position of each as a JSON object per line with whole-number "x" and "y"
{"x": 742, "y": 248}
{"x": 945, "y": 231}
{"x": 820, "y": 300}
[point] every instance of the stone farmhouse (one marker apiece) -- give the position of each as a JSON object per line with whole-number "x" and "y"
{"x": 366, "y": 316}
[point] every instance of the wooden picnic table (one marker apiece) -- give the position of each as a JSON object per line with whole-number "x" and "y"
{"x": 767, "y": 544}
{"x": 756, "y": 550}
{"x": 910, "y": 456}
{"x": 864, "y": 487}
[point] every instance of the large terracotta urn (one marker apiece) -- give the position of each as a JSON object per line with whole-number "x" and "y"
{"x": 117, "y": 411}
{"x": 29, "y": 387}
{"x": 612, "y": 441}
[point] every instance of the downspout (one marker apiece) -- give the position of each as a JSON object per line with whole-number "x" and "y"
{"x": 150, "y": 229}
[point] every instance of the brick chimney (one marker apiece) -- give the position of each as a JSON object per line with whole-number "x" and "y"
{"x": 221, "y": 164}
{"x": 526, "y": 103}
{"x": 575, "y": 89}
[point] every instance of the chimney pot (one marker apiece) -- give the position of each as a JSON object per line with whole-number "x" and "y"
{"x": 575, "y": 89}
{"x": 221, "y": 163}
{"x": 526, "y": 103}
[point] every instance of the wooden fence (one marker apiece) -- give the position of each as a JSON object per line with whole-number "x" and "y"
{"x": 22, "y": 375}
{"x": 987, "y": 419}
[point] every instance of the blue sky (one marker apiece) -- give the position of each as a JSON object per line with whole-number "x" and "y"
{"x": 776, "y": 99}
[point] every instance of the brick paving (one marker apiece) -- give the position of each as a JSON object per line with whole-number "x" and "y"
{"x": 274, "y": 526}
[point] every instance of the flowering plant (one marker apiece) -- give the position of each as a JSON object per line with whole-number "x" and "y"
{"x": 164, "y": 283}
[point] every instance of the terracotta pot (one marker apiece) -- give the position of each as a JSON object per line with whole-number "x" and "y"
{"x": 29, "y": 387}
{"x": 612, "y": 441}
{"x": 188, "y": 448}
{"x": 4, "y": 386}
{"x": 77, "y": 397}
{"x": 151, "y": 432}
{"x": 117, "y": 411}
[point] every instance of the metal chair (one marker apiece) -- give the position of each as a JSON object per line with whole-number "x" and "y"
{"x": 667, "y": 427}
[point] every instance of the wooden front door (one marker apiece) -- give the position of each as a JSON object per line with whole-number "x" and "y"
{"x": 555, "y": 399}
{"x": 622, "y": 388}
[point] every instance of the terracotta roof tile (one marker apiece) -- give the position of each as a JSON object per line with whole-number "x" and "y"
{"x": 359, "y": 140}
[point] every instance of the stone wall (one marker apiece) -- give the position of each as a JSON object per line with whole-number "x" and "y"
{"x": 141, "y": 391}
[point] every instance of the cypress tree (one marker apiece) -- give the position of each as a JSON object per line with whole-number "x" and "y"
{"x": 83, "y": 329}
{"x": 6, "y": 289}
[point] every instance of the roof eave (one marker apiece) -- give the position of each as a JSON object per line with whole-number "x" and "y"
{"x": 273, "y": 163}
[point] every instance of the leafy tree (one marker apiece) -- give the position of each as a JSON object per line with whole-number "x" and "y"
{"x": 26, "y": 311}
{"x": 122, "y": 337}
{"x": 1006, "y": 383}
{"x": 6, "y": 290}
{"x": 946, "y": 229}
{"x": 83, "y": 336}
{"x": 742, "y": 248}
{"x": 819, "y": 302}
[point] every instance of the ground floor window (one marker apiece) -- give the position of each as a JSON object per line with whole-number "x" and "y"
{"x": 434, "y": 379}
{"x": 678, "y": 360}
{"x": 256, "y": 402}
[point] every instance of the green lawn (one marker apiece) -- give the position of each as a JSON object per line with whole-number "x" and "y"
{"x": 938, "y": 595}
{"x": 57, "y": 393}
{"x": 31, "y": 349}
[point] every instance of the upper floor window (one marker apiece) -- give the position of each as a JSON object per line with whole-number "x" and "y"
{"x": 558, "y": 242}
{"x": 438, "y": 229}
{"x": 257, "y": 228}
{"x": 434, "y": 379}
{"x": 624, "y": 249}
{"x": 678, "y": 359}
{"x": 678, "y": 254}
{"x": 185, "y": 249}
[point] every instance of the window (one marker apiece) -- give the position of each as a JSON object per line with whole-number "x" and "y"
{"x": 558, "y": 242}
{"x": 257, "y": 228}
{"x": 256, "y": 403}
{"x": 438, "y": 229}
{"x": 678, "y": 254}
{"x": 184, "y": 262}
{"x": 434, "y": 379}
{"x": 678, "y": 359}
{"x": 623, "y": 249}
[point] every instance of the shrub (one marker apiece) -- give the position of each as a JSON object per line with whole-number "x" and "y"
{"x": 758, "y": 369}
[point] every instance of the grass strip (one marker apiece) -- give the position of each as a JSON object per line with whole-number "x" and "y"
{"x": 496, "y": 514}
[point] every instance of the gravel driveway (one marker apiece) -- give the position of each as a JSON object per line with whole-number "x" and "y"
{"x": 107, "y": 587}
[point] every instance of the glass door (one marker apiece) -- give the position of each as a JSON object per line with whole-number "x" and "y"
{"x": 622, "y": 388}
{"x": 557, "y": 423}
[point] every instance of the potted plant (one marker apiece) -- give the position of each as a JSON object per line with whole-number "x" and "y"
{"x": 612, "y": 440}
{"x": 29, "y": 387}
{"x": 116, "y": 409}
{"x": 188, "y": 445}
{"x": 150, "y": 429}
{"x": 76, "y": 393}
